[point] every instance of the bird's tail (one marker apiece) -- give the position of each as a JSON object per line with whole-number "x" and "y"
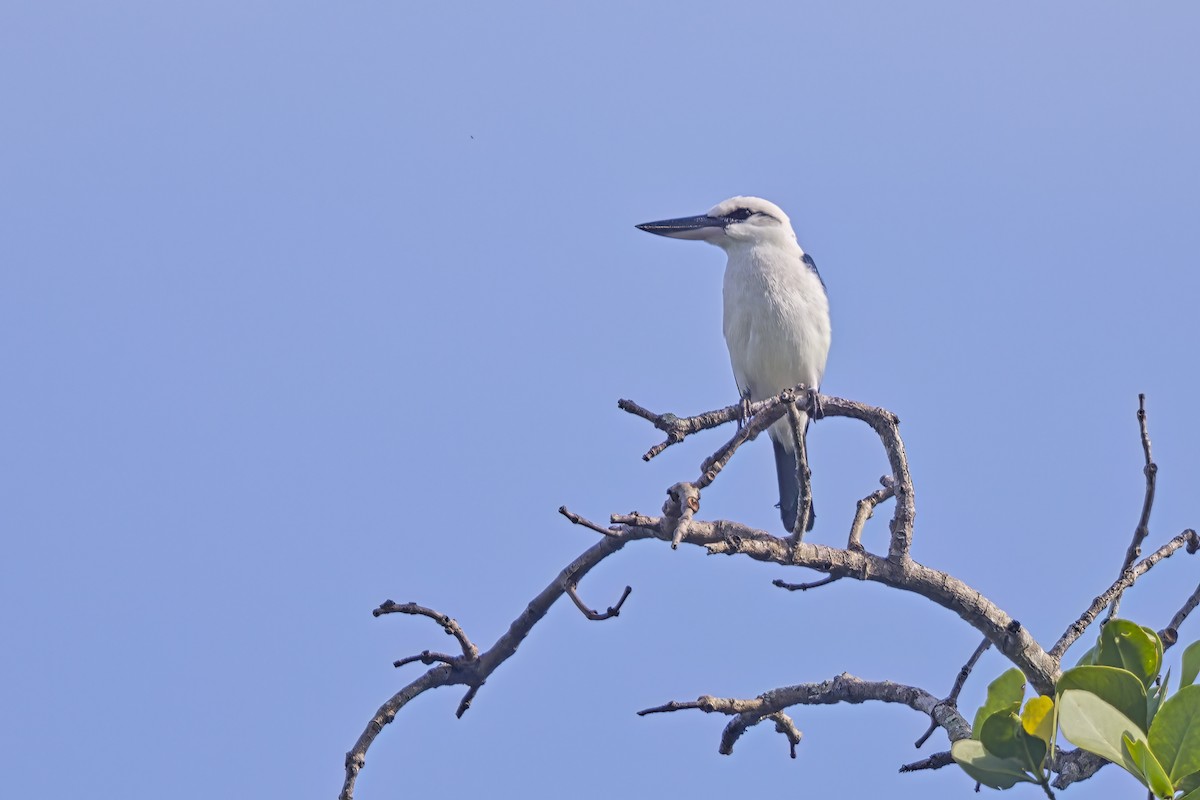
{"x": 789, "y": 489}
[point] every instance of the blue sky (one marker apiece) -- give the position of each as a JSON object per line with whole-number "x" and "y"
{"x": 309, "y": 305}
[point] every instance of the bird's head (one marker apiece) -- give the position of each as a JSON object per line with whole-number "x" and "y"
{"x": 738, "y": 220}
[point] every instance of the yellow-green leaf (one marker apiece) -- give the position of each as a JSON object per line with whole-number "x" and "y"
{"x": 1038, "y": 718}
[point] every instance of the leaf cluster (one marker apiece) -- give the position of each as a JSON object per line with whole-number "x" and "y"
{"x": 1113, "y": 704}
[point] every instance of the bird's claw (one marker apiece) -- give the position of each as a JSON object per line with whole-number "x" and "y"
{"x": 815, "y": 410}
{"x": 744, "y": 415}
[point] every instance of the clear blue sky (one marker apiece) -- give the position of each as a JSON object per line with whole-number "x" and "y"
{"x": 308, "y": 305}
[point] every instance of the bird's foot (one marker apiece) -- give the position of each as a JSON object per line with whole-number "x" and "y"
{"x": 744, "y": 415}
{"x": 815, "y": 410}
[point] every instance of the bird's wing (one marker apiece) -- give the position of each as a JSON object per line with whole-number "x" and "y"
{"x": 808, "y": 260}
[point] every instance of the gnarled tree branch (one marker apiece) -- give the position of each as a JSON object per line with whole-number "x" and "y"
{"x": 679, "y": 525}
{"x": 764, "y": 413}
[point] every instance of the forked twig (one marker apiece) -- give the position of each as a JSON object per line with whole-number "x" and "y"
{"x": 473, "y": 669}
{"x": 452, "y": 628}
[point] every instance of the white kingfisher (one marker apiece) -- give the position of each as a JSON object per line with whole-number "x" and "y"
{"x": 776, "y": 313}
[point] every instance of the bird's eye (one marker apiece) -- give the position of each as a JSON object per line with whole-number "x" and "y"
{"x": 740, "y": 214}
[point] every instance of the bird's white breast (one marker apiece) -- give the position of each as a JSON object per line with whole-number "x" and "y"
{"x": 776, "y": 321}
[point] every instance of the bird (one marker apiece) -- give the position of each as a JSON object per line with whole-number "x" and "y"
{"x": 776, "y": 314}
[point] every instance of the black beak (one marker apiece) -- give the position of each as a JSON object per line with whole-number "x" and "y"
{"x": 682, "y": 228}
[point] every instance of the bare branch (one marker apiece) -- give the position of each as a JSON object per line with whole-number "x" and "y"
{"x": 965, "y": 672}
{"x": 472, "y": 670}
{"x": 613, "y": 611}
{"x": 677, "y": 428}
{"x": 1008, "y": 635}
{"x": 845, "y": 688}
{"x": 785, "y": 725}
{"x": 935, "y": 761}
{"x": 897, "y": 570}
{"x": 733, "y": 538}
{"x": 959, "y": 682}
{"x": 646, "y": 414}
{"x": 674, "y": 705}
{"x": 924, "y": 737}
{"x": 634, "y": 519}
{"x": 1150, "y": 470}
{"x": 683, "y": 501}
{"x": 1142, "y": 425}
{"x": 804, "y": 587}
{"x": 357, "y": 757}
{"x": 585, "y": 522}
{"x": 1170, "y": 634}
{"x": 451, "y": 627}
{"x": 427, "y": 658}
{"x": 1073, "y": 766}
{"x": 465, "y": 703}
{"x": 866, "y": 509}
{"x": 765, "y": 412}
{"x": 739, "y": 724}
{"x": 711, "y": 467}
{"x": 1188, "y": 538}
{"x": 803, "y": 473}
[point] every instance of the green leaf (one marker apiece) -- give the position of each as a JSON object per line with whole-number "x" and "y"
{"x": 1119, "y": 688}
{"x": 988, "y": 769}
{"x": 1192, "y": 795}
{"x": 1152, "y": 772}
{"x": 1033, "y": 750}
{"x": 1191, "y": 665}
{"x": 1088, "y": 722}
{"x": 1129, "y": 646}
{"x": 1003, "y": 694}
{"x": 1155, "y": 698}
{"x": 1003, "y": 735}
{"x": 1175, "y": 734}
{"x": 1038, "y": 719}
{"x": 1189, "y": 784}
{"x": 999, "y": 735}
{"x": 1088, "y": 659}
{"x": 1158, "y": 646}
